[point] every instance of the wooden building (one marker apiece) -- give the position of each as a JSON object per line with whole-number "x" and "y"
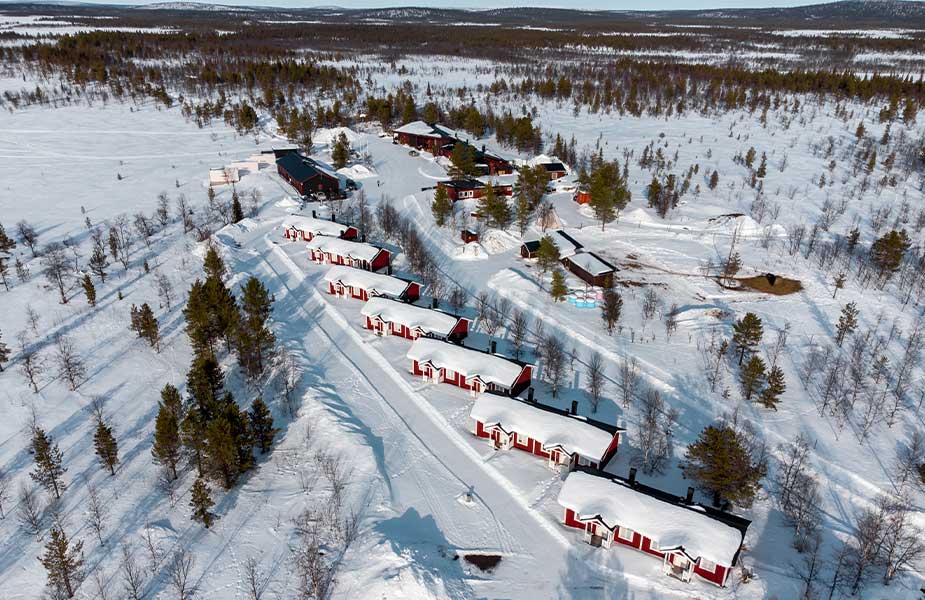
{"x": 591, "y": 268}
{"x": 335, "y": 251}
{"x": 470, "y": 369}
{"x": 347, "y": 282}
{"x": 299, "y": 227}
{"x": 389, "y": 317}
{"x": 307, "y": 175}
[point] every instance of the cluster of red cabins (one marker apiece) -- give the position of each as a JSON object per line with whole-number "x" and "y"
{"x": 690, "y": 538}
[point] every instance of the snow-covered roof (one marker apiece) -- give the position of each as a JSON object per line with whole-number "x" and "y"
{"x": 573, "y": 433}
{"x": 315, "y": 226}
{"x": 669, "y": 525}
{"x": 591, "y": 263}
{"x": 367, "y": 280}
{"x": 333, "y": 245}
{"x": 392, "y": 311}
{"x": 566, "y": 244}
{"x": 468, "y": 362}
{"x": 419, "y": 128}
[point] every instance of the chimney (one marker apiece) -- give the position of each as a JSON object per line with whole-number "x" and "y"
{"x": 389, "y": 270}
{"x": 434, "y": 303}
{"x": 632, "y": 475}
{"x": 333, "y": 217}
{"x": 363, "y": 238}
{"x": 574, "y": 410}
{"x": 314, "y": 215}
{"x": 494, "y": 346}
{"x": 716, "y": 499}
{"x": 690, "y": 496}
{"x": 483, "y": 147}
{"x": 530, "y": 397}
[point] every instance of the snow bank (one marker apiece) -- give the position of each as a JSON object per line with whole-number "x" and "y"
{"x": 327, "y": 136}
{"x": 357, "y": 172}
{"x": 670, "y": 526}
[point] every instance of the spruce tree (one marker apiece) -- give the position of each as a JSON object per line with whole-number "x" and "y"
{"x": 4, "y": 352}
{"x": 750, "y": 157}
{"x": 63, "y": 562}
{"x": 522, "y": 210}
{"x": 751, "y": 376}
{"x": 221, "y": 452}
{"x": 887, "y": 251}
{"x": 714, "y": 180}
{"x": 609, "y": 194}
{"x": 201, "y": 502}
{"x": 144, "y": 323}
{"x": 49, "y": 463}
{"x": 167, "y": 448}
{"x": 462, "y": 159}
{"x": 558, "y": 290}
{"x": 340, "y": 153}
{"x": 747, "y": 334}
{"x": 199, "y": 323}
{"x": 213, "y": 265}
{"x": 775, "y": 387}
{"x": 4, "y": 273}
{"x": 254, "y": 339}
{"x": 22, "y": 271}
{"x": 547, "y": 254}
{"x": 106, "y": 447}
{"x": 205, "y": 384}
{"x": 719, "y": 461}
{"x": 261, "y": 422}
{"x": 89, "y": 289}
{"x": 442, "y": 206}
{"x": 237, "y": 213}
{"x": 847, "y": 323}
{"x": 192, "y": 435}
{"x": 6, "y": 242}
{"x": 763, "y": 166}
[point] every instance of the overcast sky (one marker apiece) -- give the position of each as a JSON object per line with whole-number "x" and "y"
{"x": 584, "y": 4}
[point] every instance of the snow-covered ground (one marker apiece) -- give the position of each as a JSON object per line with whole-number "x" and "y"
{"x": 407, "y": 444}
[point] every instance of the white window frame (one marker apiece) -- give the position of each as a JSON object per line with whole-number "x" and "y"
{"x": 620, "y": 534}
{"x": 706, "y": 565}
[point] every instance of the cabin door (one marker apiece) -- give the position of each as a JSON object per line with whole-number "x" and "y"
{"x": 553, "y": 461}
{"x": 502, "y": 440}
{"x": 591, "y": 535}
{"x": 679, "y": 566}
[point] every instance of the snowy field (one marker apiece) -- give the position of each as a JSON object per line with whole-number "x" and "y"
{"x": 408, "y": 445}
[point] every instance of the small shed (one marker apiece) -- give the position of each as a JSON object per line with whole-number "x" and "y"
{"x": 468, "y": 235}
{"x": 590, "y": 268}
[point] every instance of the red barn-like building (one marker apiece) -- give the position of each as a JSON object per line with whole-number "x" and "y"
{"x": 555, "y": 170}
{"x": 422, "y": 136}
{"x": 386, "y": 316}
{"x": 336, "y": 251}
{"x": 308, "y": 175}
{"x": 560, "y": 436}
{"x": 363, "y": 285}
{"x": 691, "y": 539}
{"x": 467, "y": 368}
{"x": 465, "y": 189}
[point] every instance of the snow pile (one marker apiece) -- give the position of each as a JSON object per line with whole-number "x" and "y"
{"x": 743, "y": 226}
{"x": 373, "y": 283}
{"x": 573, "y": 434}
{"x": 495, "y": 241}
{"x": 668, "y": 525}
{"x": 465, "y": 361}
{"x": 637, "y": 215}
{"x": 357, "y": 172}
{"x": 288, "y": 203}
{"x": 327, "y": 136}
{"x": 411, "y": 316}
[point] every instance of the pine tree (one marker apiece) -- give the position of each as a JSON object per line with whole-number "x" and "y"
{"x": 201, "y": 502}
{"x": 750, "y": 157}
{"x": 860, "y": 131}
{"x": 847, "y": 323}
{"x": 714, "y": 180}
{"x": 98, "y": 263}
{"x": 167, "y": 446}
{"x": 609, "y": 194}
{"x": 6, "y": 242}
{"x": 220, "y": 453}
{"x": 205, "y": 384}
{"x": 192, "y": 435}
{"x": 89, "y": 289}
{"x": 522, "y": 209}
{"x": 106, "y": 447}
{"x": 254, "y": 339}
{"x": 261, "y": 423}
{"x": 719, "y": 462}
{"x": 237, "y": 213}
{"x": 763, "y": 166}
{"x": 775, "y": 387}
{"x": 5, "y": 273}
{"x": 547, "y": 254}
{"x": 63, "y": 562}
{"x": 887, "y": 251}
{"x": 442, "y": 206}
{"x": 4, "y": 352}
{"x": 747, "y": 334}
{"x": 462, "y": 159}
{"x": 340, "y": 153}
{"x": 409, "y": 112}
{"x": 22, "y": 271}
{"x": 49, "y": 469}
{"x": 558, "y": 290}
{"x": 611, "y": 309}
{"x": 144, "y": 323}
{"x": 751, "y": 376}
{"x": 840, "y": 280}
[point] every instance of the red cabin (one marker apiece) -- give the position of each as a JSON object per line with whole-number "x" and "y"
{"x": 308, "y": 175}
{"x": 386, "y": 316}
{"x": 690, "y": 539}
{"x": 467, "y": 368}
{"x": 298, "y": 227}
{"x": 336, "y": 251}
{"x": 560, "y": 436}
{"x": 466, "y": 189}
{"x": 363, "y": 285}
{"x": 555, "y": 170}
{"x": 582, "y": 196}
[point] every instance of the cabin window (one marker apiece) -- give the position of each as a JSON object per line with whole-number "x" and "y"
{"x": 625, "y": 534}
{"x": 707, "y": 566}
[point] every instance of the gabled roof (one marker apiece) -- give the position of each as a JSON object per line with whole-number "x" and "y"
{"x": 413, "y": 317}
{"x": 466, "y": 361}
{"x": 591, "y": 263}
{"x": 464, "y": 184}
{"x": 301, "y": 168}
{"x": 549, "y": 425}
{"x": 422, "y": 129}
{"x": 315, "y": 226}
{"x": 702, "y": 532}
{"x": 355, "y": 250}
{"x": 367, "y": 280}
